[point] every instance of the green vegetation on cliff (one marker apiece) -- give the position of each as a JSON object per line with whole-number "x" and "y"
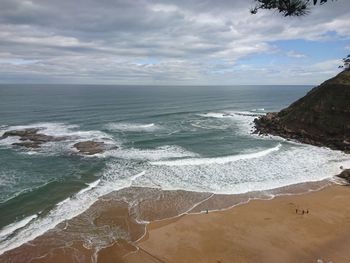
{"x": 322, "y": 117}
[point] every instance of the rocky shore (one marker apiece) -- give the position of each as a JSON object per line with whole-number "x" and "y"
{"x": 34, "y": 138}
{"x": 320, "y": 118}
{"x": 90, "y": 147}
{"x": 345, "y": 175}
{"x": 31, "y": 138}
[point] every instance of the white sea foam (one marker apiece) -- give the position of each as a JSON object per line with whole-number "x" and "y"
{"x": 230, "y": 114}
{"x": 50, "y": 128}
{"x": 63, "y": 201}
{"x": 217, "y": 160}
{"x": 132, "y": 127}
{"x": 202, "y": 124}
{"x": 114, "y": 178}
{"x": 275, "y": 167}
{"x": 243, "y": 120}
{"x": 7, "y": 230}
{"x": 72, "y": 133}
{"x": 218, "y": 115}
{"x": 62, "y": 129}
{"x": 90, "y": 186}
{"x": 269, "y": 169}
{"x": 9, "y": 141}
{"x": 159, "y": 153}
{"x": 173, "y": 167}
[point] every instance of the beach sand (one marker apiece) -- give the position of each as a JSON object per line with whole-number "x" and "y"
{"x": 257, "y": 231}
{"x": 260, "y": 231}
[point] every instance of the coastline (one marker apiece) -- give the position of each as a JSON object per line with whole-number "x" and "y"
{"x": 124, "y": 232}
{"x": 259, "y": 231}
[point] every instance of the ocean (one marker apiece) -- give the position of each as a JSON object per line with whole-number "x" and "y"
{"x": 193, "y": 138}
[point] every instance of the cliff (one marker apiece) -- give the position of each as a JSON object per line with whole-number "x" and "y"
{"x": 321, "y": 117}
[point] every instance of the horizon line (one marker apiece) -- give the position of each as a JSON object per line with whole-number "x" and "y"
{"x": 158, "y": 85}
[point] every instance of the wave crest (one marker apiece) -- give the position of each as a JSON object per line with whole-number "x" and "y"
{"x": 132, "y": 127}
{"x": 217, "y": 160}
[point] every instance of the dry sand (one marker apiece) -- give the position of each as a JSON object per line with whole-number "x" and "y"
{"x": 260, "y": 231}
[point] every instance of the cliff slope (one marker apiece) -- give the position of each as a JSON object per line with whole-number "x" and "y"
{"x": 322, "y": 117}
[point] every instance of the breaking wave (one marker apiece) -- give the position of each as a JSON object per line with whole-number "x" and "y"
{"x": 159, "y": 153}
{"x": 132, "y": 127}
{"x": 172, "y": 167}
{"x": 217, "y": 160}
{"x": 10, "y": 229}
{"x": 114, "y": 178}
{"x": 283, "y": 165}
{"x": 243, "y": 120}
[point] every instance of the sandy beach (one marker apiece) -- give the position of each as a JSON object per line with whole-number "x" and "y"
{"x": 260, "y": 231}
{"x": 295, "y": 227}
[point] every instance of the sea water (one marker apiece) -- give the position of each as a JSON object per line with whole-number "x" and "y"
{"x": 195, "y": 138}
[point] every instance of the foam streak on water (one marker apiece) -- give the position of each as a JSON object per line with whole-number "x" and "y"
{"x": 132, "y": 127}
{"x": 15, "y": 226}
{"x": 217, "y": 160}
{"x": 280, "y": 166}
{"x": 28, "y": 229}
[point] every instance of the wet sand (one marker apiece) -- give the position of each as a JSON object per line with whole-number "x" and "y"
{"x": 115, "y": 228}
{"x": 117, "y": 220}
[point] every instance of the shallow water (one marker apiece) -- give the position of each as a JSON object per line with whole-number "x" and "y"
{"x": 190, "y": 138}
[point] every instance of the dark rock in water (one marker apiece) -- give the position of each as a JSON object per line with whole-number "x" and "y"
{"x": 321, "y": 118}
{"x": 90, "y": 147}
{"x": 31, "y": 138}
{"x": 345, "y": 175}
{"x": 20, "y": 133}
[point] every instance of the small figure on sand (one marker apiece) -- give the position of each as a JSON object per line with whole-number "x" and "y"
{"x": 206, "y": 211}
{"x": 301, "y": 211}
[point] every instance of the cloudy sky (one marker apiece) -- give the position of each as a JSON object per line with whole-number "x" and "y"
{"x": 199, "y": 42}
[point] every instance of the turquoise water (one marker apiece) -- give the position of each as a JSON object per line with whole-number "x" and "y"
{"x": 191, "y": 138}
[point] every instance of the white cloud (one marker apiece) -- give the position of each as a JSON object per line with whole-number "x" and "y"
{"x": 190, "y": 41}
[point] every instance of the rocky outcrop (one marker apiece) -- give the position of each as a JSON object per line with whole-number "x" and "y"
{"x": 21, "y": 133}
{"x": 345, "y": 175}
{"x": 321, "y": 118}
{"x": 90, "y": 147}
{"x": 31, "y": 137}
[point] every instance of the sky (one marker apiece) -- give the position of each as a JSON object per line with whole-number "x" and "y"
{"x": 184, "y": 42}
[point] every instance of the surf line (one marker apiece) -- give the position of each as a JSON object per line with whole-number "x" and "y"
{"x": 217, "y": 160}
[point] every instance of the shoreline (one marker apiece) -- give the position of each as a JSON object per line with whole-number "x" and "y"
{"x": 217, "y": 202}
{"x": 154, "y": 207}
{"x": 222, "y": 201}
{"x": 321, "y": 229}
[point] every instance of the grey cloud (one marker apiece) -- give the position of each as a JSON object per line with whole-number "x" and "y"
{"x": 101, "y": 41}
